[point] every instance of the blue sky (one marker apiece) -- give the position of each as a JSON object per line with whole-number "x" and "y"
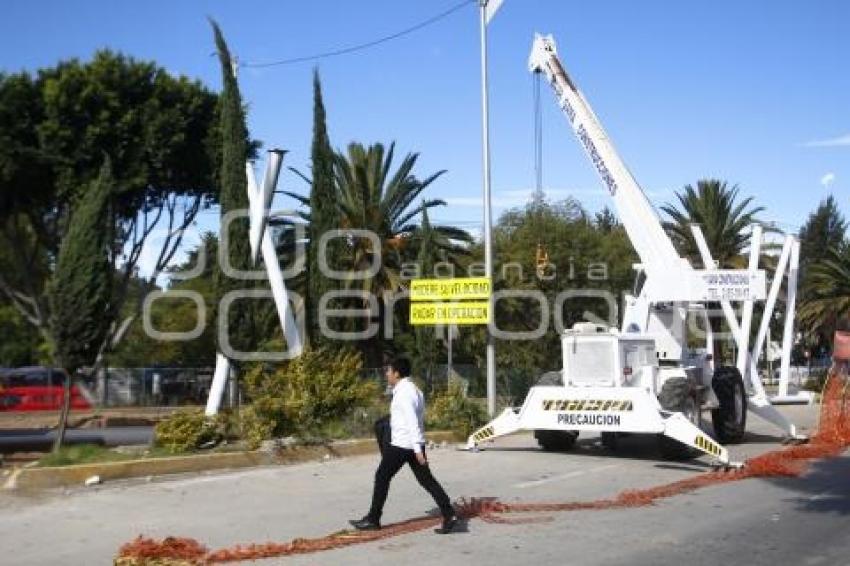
{"x": 756, "y": 92}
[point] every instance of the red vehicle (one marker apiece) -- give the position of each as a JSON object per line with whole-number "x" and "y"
{"x": 36, "y": 389}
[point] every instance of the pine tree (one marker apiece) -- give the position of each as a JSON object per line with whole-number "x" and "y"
{"x": 81, "y": 287}
{"x": 823, "y": 231}
{"x": 824, "y": 260}
{"x": 233, "y": 196}
{"x": 324, "y": 215}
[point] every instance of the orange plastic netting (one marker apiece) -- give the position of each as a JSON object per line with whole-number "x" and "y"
{"x": 831, "y": 439}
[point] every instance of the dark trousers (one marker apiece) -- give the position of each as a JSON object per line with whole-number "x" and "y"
{"x": 392, "y": 460}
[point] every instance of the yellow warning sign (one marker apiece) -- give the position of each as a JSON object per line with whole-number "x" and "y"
{"x": 471, "y": 312}
{"x": 455, "y": 289}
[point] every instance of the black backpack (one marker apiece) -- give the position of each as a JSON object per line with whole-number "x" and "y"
{"x": 383, "y": 433}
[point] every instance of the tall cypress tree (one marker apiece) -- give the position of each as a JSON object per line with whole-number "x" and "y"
{"x": 233, "y": 196}
{"x": 81, "y": 288}
{"x": 324, "y": 214}
{"x": 426, "y": 342}
{"x": 824, "y": 230}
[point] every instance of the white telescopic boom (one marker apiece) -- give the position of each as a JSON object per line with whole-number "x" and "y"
{"x": 668, "y": 276}
{"x": 642, "y": 225}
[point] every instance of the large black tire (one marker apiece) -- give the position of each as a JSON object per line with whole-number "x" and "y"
{"x": 678, "y": 394}
{"x": 610, "y": 440}
{"x": 730, "y": 418}
{"x": 556, "y": 440}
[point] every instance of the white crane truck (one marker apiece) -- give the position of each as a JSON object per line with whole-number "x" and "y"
{"x": 642, "y": 378}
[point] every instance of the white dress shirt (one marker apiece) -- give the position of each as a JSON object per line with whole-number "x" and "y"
{"x": 406, "y": 416}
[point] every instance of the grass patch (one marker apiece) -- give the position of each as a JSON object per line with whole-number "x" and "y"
{"x": 92, "y": 454}
{"x": 81, "y": 454}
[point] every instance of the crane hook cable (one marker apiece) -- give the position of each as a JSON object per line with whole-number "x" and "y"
{"x": 538, "y": 139}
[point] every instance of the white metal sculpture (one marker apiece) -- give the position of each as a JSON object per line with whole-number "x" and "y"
{"x": 260, "y": 199}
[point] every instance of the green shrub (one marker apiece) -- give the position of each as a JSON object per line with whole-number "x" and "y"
{"x": 816, "y": 380}
{"x": 254, "y": 428}
{"x": 359, "y": 423}
{"x": 302, "y": 396}
{"x": 187, "y": 430}
{"x": 452, "y": 410}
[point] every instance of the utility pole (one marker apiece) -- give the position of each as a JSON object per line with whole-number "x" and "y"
{"x": 488, "y": 212}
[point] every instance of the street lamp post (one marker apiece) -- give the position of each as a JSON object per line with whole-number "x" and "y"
{"x": 488, "y": 212}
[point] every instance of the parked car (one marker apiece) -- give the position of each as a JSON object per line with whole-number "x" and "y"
{"x": 36, "y": 389}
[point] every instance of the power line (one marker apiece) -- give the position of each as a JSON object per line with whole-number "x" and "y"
{"x": 362, "y": 46}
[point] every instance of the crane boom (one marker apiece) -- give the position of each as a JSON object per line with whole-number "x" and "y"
{"x": 642, "y": 224}
{"x": 669, "y": 277}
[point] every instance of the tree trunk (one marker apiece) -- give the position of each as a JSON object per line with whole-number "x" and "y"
{"x": 63, "y": 414}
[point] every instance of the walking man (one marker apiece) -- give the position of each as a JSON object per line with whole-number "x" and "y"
{"x": 407, "y": 446}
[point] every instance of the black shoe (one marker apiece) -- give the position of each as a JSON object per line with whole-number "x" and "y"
{"x": 365, "y": 524}
{"x": 448, "y": 525}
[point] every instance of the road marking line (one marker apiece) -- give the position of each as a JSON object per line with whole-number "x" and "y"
{"x": 573, "y": 474}
{"x": 822, "y": 495}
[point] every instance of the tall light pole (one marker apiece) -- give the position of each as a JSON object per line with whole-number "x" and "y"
{"x": 488, "y": 9}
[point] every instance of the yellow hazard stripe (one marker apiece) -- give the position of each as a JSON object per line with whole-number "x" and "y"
{"x": 484, "y": 434}
{"x": 587, "y": 405}
{"x": 707, "y": 445}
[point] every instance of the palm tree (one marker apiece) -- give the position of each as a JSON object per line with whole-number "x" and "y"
{"x": 724, "y": 220}
{"x": 715, "y": 206}
{"x": 426, "y": 339}
{"x": 371, "y": 197}
{"x": 374, "y": 198}
{"x": 826, "y": 293}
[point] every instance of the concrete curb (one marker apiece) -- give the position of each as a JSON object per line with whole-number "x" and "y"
{"x": 66, "y": 476}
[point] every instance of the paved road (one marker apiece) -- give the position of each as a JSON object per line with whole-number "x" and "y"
{"x": 754, "y": 522}
{"x": 804, "y": 521}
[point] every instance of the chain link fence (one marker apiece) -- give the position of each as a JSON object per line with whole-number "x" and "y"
{"x": 175, "y": 386}
{"x": 161, "y": 386}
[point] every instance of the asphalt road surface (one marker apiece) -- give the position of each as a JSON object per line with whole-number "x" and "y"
{"x": 772, "y": 522}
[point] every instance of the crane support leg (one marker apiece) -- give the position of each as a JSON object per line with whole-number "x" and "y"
{"x": 761, "y": 406}
{"x": 678, "y": 427}
{"x": 504, "y": 424}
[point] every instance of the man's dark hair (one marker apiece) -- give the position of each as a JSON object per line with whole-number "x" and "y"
{"x": 401, "y": 365}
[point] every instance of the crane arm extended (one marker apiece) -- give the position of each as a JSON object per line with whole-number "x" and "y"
{"x": 642, "y": 224}
{"x": 669, "y": 277}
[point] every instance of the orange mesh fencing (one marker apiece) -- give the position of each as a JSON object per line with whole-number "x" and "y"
{"x": 831, "y": 439}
